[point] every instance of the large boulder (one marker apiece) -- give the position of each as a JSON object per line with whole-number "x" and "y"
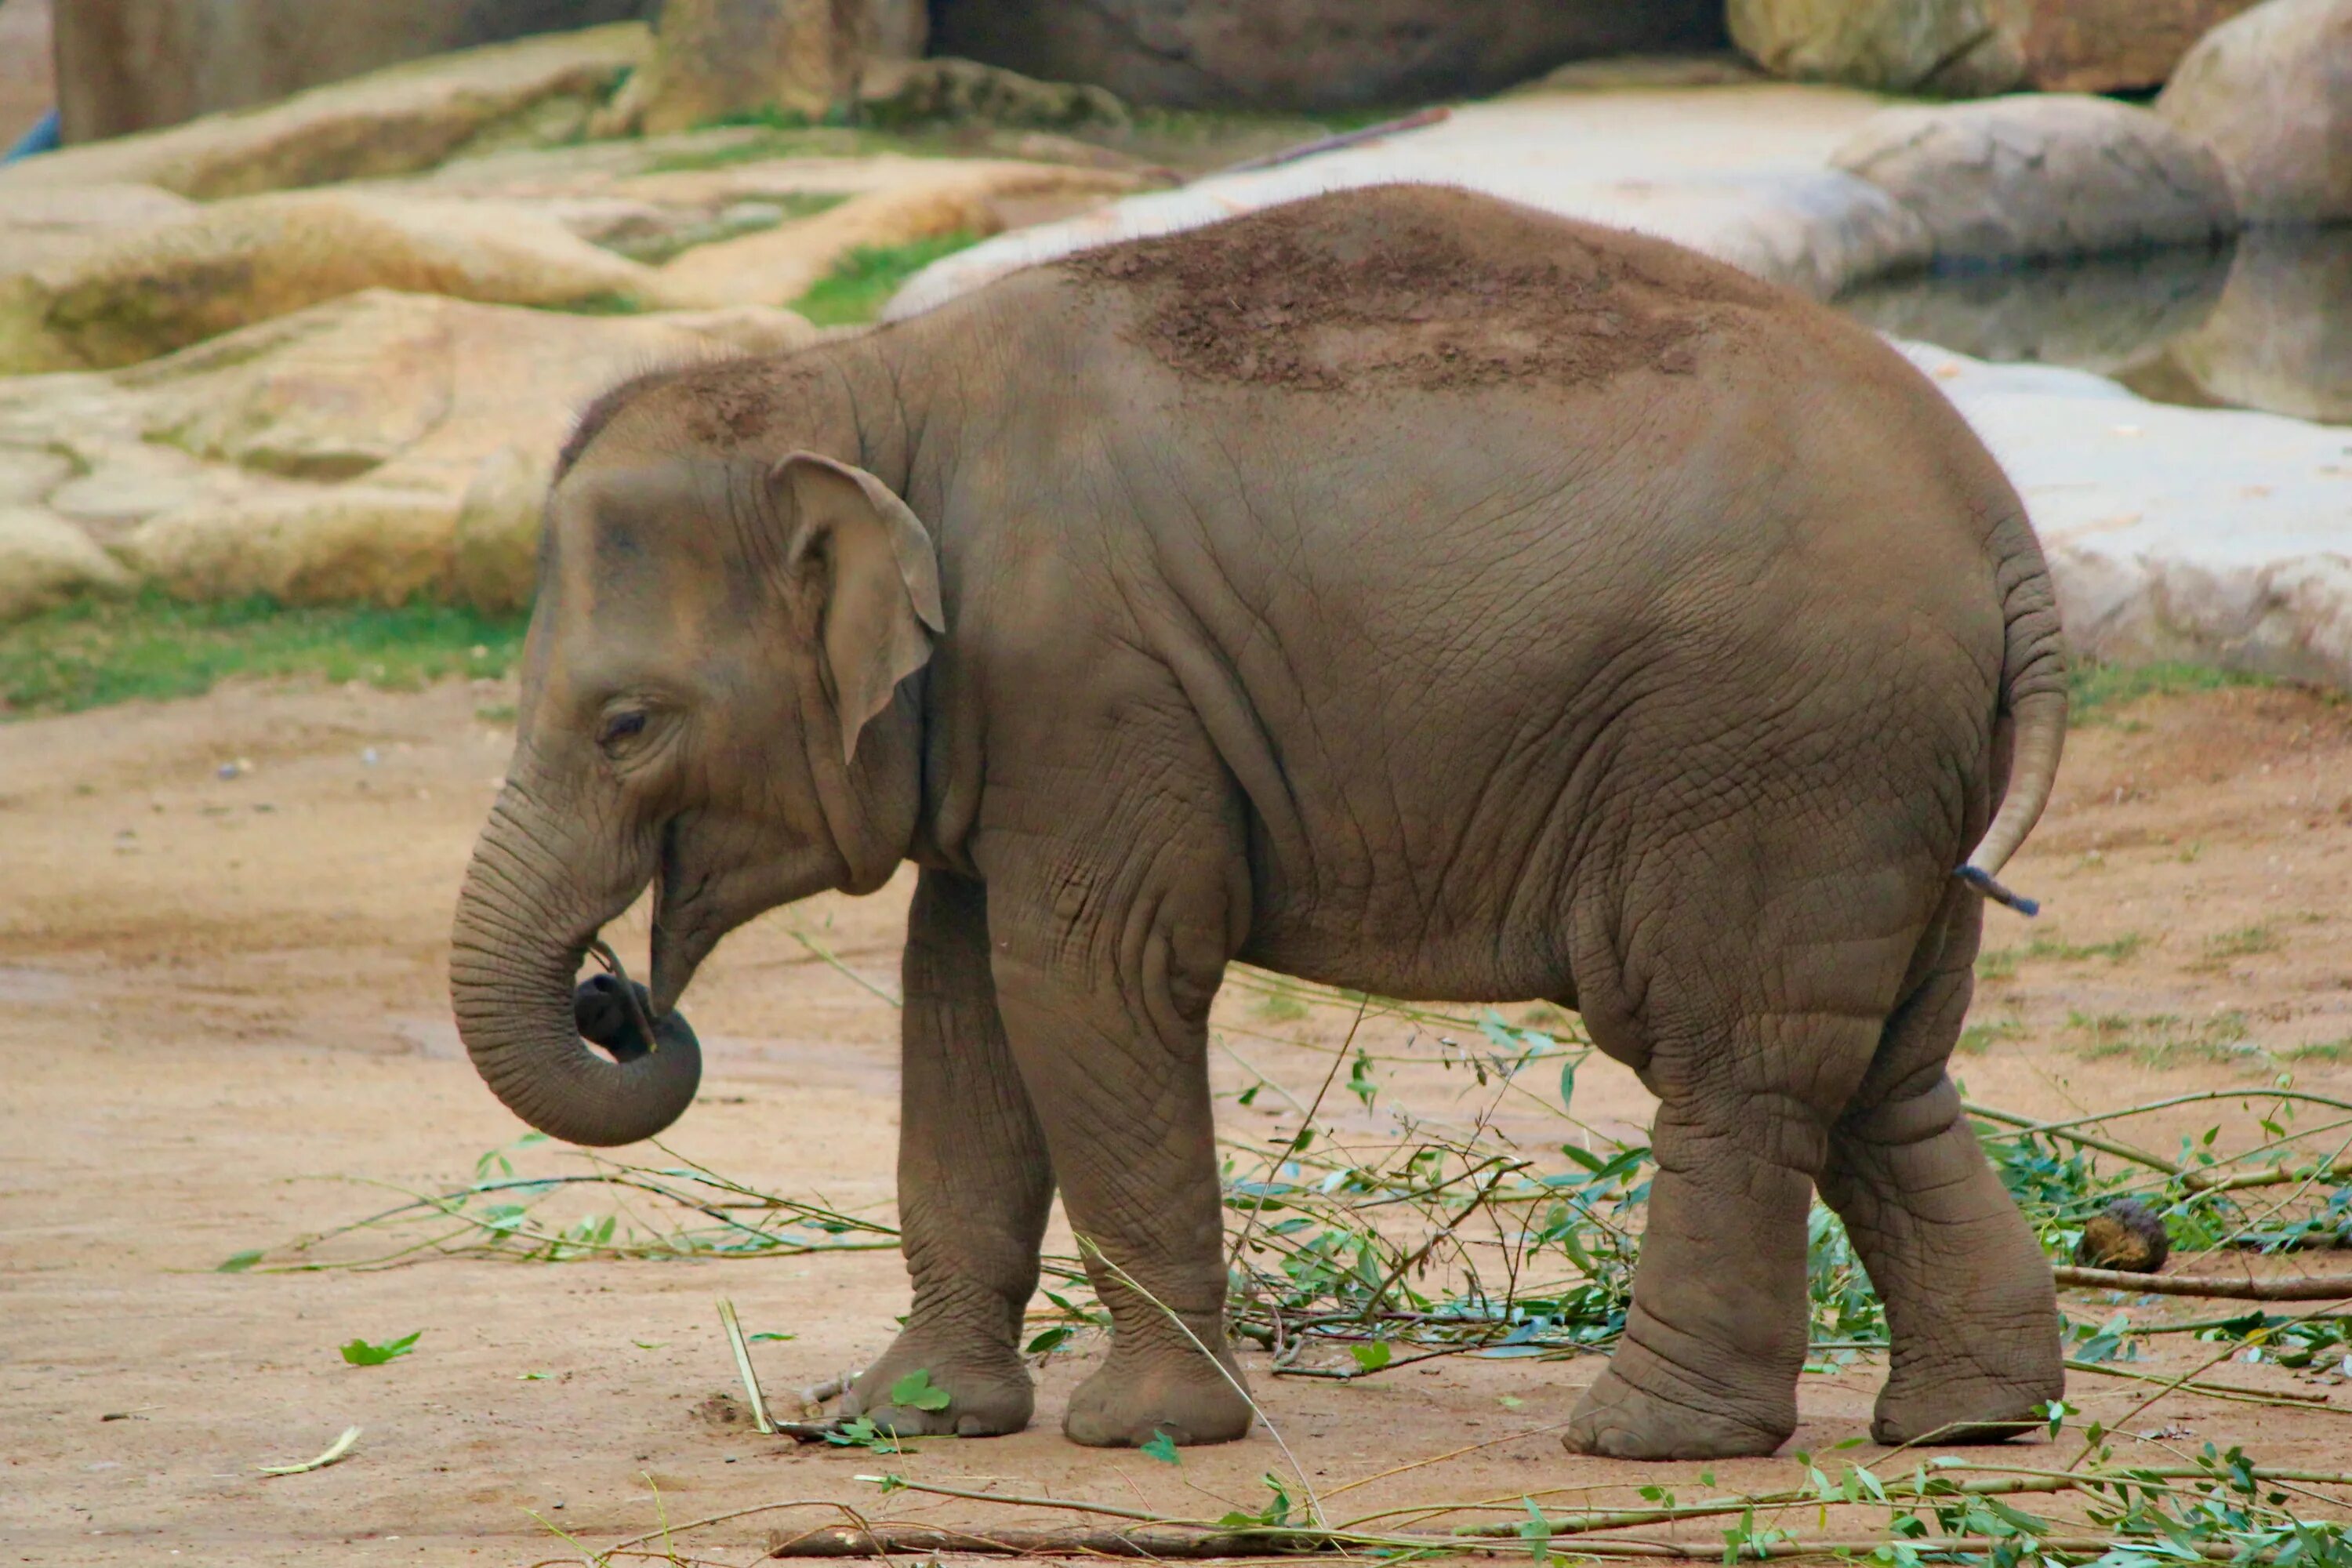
{"x": 2281, "y": 337}
{"x": 329, "y": 454}
{"x": 44, "y": 560}
{"x": 131, "y": 294}
{"x": 1307, "y": 54}
{"x": 138, "y": 65}
{"x": 1965, "y": 49}
{"x": 2104, "y": 46}
{"x": 401, "y": 118}
{"x": 717, "y": 58}
{"x": 2272, "y": 94}
{"x": 2042, "y": 177}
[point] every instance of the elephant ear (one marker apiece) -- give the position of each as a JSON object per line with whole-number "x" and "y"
{"x": 873, "y": 560}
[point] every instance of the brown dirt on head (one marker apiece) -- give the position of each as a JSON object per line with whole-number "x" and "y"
{"x": 1428, "y": 286}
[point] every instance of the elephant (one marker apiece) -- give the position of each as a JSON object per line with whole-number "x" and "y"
{"x": 1400, "y": 589}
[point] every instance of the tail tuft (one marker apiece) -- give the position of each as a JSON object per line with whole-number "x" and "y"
{"x": 1982, "y": 882}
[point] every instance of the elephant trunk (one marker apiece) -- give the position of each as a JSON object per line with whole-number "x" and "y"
{"x": 523, "y": 924}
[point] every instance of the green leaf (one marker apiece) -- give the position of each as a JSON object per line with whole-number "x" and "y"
{"x": 1567, "y": 1082}
{"x": 766, "y": 1334}
{"x": 1162, "y": 1447}
{"x": 531, "y": 1377}
{"x": 1374, "y": 1356}
{"x": 237, "y": 1263}
{"x": 1050, "y": 1340}
{"x": 360, "y": 1352}
{"x": 916, "y": 1391}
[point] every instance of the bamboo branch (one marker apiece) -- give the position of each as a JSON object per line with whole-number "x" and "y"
{"x": 2314, "y": 1288}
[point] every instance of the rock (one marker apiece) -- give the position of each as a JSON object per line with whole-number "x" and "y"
{"x": 1307, "y": 54}
{"x": 2107, "y": 45}
{"x": 137, "y": 65}
{"x": 779, "y": 265}
{"x": 713, "y": 58}
{"x": 29, "y": 474}
{"x": 497, "y": 544}
{"x": 2281, "y": 338}
{"x": 2206, "y": 534}
{"x": 348, "y": 542}
{"x": 394, "y": 120}
{"x": 1965, "y": 49}
{"x": 2112, "y": 315}
{"x": 965, "y": 92}
{"x": 329, "y": 454}
{"x": 40, "y": 225}
{"x": 1815, "y": 232}
{"x": 1947, "y": 47}
{"x": 2271, "y": 93}
{"x": 2042, "y": 177}
{"x": 2125, "y": 1235}
{"x": 28, "y": 85}
{"x": 44, "y": 560}
{"x": 132, "y": 294}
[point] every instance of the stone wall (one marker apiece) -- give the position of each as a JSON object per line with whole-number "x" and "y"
{"x": 1309, "y": 54}
{"x": 134, "y": 65}
{"x": 28, "y": 88}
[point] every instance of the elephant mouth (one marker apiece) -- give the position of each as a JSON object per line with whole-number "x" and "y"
{"x": 616, "y": 1014}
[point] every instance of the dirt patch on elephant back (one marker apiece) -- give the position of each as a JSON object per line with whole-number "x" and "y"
{"x": 1421, "y": 285}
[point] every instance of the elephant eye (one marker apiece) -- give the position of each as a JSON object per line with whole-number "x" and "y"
{"x": 621, "y": 726}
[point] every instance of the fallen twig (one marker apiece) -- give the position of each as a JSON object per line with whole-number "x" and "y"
{"x": 1333, "y": 143}
{"x": 335, "y": 1451}
{"x": 2212, "y": 1390}
{"x": 743, "y": 1364}
{"x": 2313, "y": 1287}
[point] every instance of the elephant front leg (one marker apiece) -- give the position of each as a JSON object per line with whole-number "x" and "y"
{"x": 974, "y": 1184}
{"x": 1110, "y": 1029}
{"x": 1716, "y": 1339}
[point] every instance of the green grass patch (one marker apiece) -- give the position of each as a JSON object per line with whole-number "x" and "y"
{"x": 861, "y": 282}
{"x": 95, "y": 652}
{"x": 1978, "y": 1038}
{"x": 1276, "y": 1009}
{"x": 2096, "y": 691}
{"x": 2336, "y": 1051}
{"x": 2164, "y": 1039}
{"x": 2243, "y": 942}
{"x": 2001, "y": 963}
{"x": 601, "y": 305}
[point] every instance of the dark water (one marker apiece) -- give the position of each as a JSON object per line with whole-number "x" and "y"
{"x": 2266, "y": 324}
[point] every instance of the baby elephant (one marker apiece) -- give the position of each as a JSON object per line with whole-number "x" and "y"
{"x": 1401, "y": 589}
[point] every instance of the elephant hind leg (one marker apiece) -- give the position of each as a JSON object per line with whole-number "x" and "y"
{"x": 1969, "y": 1301}
{"x": 1752, "y": 1046}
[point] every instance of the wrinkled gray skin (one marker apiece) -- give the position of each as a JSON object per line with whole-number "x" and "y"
{"x": 1669, "y": 683}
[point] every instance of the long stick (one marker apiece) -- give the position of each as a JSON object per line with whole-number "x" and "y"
{"x": 1014, "y": 1541}
{"x": 2315, "y": 1288}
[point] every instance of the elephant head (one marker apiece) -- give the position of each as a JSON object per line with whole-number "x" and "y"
{"x": 710, "y": 705}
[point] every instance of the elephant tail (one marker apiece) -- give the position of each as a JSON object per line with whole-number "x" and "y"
{"x": 2033, "y": 707}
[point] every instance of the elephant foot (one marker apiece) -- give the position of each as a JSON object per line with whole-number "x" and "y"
{"x": 1618, "y": 1421}
{"x": 988, "y": 1389}
{"x": 1966, "y": 1404}
{"x": 1129, "y": 1401}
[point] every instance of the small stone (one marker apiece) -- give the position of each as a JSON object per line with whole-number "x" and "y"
{"x": 2127, "y": 1235}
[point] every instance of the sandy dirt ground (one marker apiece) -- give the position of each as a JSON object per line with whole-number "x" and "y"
{"x": 223, "y": 1019}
